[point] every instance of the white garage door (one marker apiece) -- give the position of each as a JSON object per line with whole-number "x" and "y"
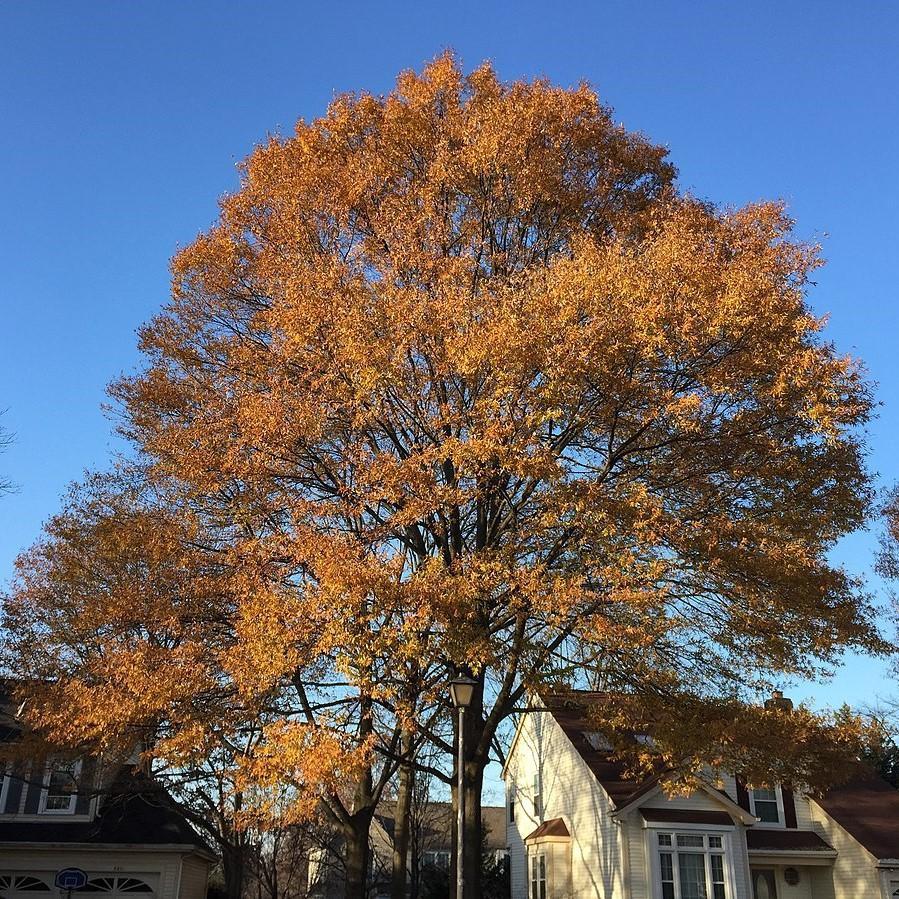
{"x": 17, "y": 885}
{"x": 35, "y": 884}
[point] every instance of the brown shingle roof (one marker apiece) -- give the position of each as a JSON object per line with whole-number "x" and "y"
{"x": 554, "y": 827}
{"x": 868, "y": 808}
{"x": 770, "y": 840}
{"x": 685, "y": 816}
{"x": 570, "y": 710}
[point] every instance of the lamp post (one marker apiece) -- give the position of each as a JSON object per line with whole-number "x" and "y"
{"x": 461, "y": 692}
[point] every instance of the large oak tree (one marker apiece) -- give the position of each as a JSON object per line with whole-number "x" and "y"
{"x": 462, "y": 383}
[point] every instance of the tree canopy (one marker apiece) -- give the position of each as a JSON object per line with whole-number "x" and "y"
{"x": 461, "y": 381}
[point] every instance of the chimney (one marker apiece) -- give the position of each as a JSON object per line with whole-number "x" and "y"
{"x": 779, "y": 701}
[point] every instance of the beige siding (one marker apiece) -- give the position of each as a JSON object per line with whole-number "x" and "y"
{"x": 854, "y": 872}
{"x": 608, "y": 860}
{"x": 569, "y": 791}
{"x": 804, "y": 820}
{"x": 194, "y": 875}
{"x": 639, "y": 863}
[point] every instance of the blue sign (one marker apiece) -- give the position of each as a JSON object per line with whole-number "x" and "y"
{"x": 71, "y": 879}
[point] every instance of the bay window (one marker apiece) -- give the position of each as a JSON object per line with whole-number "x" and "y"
{"x": 691, "y": 866}
{"x": 538, "y": 876}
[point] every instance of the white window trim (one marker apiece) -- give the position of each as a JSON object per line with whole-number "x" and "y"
{"x": 5, "y": 777}
{"x": 538, "y": 796}
{"x": 73, "y": 797}
{"x": 653, "y": 829}
{"x": 532, "y": 857}
{"x": 781, "y": 822}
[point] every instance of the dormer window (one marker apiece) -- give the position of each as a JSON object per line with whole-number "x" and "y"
{"x": 60, "y": 793}
{"x": 765, "y": 803}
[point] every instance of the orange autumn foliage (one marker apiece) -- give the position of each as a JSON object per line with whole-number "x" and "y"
{"x": 460, "y": 381}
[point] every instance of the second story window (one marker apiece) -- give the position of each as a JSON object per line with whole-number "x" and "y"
{"x": 60, "y": 793}
{"x": 511, "y": 805}
{"x": 765, "y": 805}
{"x": 538, "y": 798}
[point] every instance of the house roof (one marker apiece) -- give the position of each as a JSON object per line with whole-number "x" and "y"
{"x": 436, "y": 822}
{"x": 127, "y": 821}
{"x": 685, "y": 816}
{"x": 570, "y": 712}
{"x": 771, "y": 840}
{"x": 554, "y": 827}
{"x": 136, "y": 811}
{"x": 868, "y": 808}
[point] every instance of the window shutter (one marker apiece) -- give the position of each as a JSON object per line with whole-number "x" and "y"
{"x": 85, "y": 786}
{"x": 33, "y": 789}
{"x": 789, "y": 807}
{"x": 742, "y": 794}
{"x": 14, "y": 791}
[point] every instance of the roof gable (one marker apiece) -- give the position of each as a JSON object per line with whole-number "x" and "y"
{"x": 569, "y": 710}
{"x": 867, "y": 809}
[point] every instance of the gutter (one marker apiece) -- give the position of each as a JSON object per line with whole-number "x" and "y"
{"x": 182, "y": 848}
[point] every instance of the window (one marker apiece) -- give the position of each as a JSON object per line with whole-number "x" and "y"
{"x": 23, "y": 883}
{"x": 512, "y": 805}
{"x": 763, "y": 885}
{"x": 437, "y": 859}
{"x": 60, "y": 787}
{"x": 4, "y": 785}
{"x": 538, "y": 798}
{"x": 112, "y": 884}
{"x": 765, "y": 805}
{"x": 538, "y": 876}
{"x": 691, "y": 866}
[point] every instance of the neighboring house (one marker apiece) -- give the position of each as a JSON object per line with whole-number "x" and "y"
{"x": 578, "y": 828}
{"x": 120, "y": 829}
{"x": 430, "y": 849}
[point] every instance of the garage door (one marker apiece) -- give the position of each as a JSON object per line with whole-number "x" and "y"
{"x": 116, "y": 885}
{"x": 32, "y": 884}
{"x": 19, "y": 885}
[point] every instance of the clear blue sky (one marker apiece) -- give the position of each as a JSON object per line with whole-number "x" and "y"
{"x": 121, "y": 123}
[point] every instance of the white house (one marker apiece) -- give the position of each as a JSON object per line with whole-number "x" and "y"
{"x": 62, "y": 813}
{"x": 577, "y": 828}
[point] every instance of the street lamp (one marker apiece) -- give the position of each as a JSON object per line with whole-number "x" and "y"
{"x": 461, "y": 692}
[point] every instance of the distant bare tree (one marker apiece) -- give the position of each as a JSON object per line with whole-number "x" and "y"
{"x": 5, "y": 440}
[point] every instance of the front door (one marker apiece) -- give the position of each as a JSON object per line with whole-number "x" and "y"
{"x": 763, "y": 884}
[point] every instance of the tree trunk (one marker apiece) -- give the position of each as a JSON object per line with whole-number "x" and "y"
{"x": 357, "y": 827}
{"x": 356, "y": 855}
{"x": 472, "y": 833}
{"x": 401, "y": 822}
{"x": 233, "y": 871}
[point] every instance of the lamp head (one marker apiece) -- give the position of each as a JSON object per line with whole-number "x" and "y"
{"x": 461, "y": 691}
